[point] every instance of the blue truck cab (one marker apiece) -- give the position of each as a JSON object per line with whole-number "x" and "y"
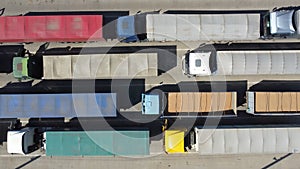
{"x": 133, "y": 28}
{"x": 150, "y": 104}
{"x": 126, "y": 29}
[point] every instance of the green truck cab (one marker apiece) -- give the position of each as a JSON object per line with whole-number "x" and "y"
{"x": 28, "y": 67}
{"x": 20, "y": 69}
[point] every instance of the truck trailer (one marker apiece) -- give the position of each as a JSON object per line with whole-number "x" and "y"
{"x": 81, "y": 143}
{"x": 190, "y": 104}
{"x": 273, "y": 103}
{"x": 206, "y": 61}
{"x": 234, "y": 140}
{"x": 86, "y": 66}
{"x": 46, "y": 28}
{"x": 58, "y": 105}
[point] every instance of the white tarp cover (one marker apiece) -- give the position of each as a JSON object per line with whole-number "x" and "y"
{"x": 258, "y": 62}
{"x": 96, "y": 66}
{"x": 203, "y": 27}
{"x": 247, "y": 140}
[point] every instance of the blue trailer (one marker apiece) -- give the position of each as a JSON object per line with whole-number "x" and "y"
{"x": 58, "y": 105}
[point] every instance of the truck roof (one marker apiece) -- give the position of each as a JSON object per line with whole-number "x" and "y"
{"x": 281, "y": 22}
{"x": 273, "y": 103}
{"x": 199, "y": 63}
{"x": 150, "y": 104}
{"x": 67, "y": 28}
{"x": 247, "y": 140}
{"x": 18, "y": 141}
{"x": 95, "y": 66}
{"x": 206, "y": 27}
{"x": 20, "y": 68}
{"x": 174, "y": 141}
{"x": 126, "y": 28}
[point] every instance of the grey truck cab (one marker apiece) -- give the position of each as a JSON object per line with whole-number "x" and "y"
{"x": 282, "y": 22}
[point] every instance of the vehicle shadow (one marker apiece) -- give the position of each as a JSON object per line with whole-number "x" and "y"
{"x": 277, "y": 160}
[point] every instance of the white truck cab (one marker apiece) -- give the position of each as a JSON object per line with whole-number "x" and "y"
{"x": 199, "y": 62}
{"x": 18, "y": 142}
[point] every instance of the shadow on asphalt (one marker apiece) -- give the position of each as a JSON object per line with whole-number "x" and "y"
{"x": 277, "y": 86}
{"x": 276, "y": 161}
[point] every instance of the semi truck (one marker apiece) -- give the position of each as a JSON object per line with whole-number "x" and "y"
{"x": 190, "y": 104}
{"x": 233, "y": 140}
{"x": 86, "y": 66}
{"x": 273, "y": 103}
{"x": 210, "y": 25}
{"x": 80, "y": 143}
{"x": 67, "y": 105}
{"x": 207, "y": 61}
{"x": 188, "y": 27}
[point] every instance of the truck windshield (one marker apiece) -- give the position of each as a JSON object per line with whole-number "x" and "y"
{"x": 143, "y": 103}
{"x": 266, "y": 25}
{"x": 35, "y": 67}
{"x": 140, "y": 26}
{"x": 186, "y": 63}
{"x": 294, "y": 19}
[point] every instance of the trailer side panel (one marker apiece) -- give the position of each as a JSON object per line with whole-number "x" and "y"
{"x": 216, "y": 27}
{"x": 97, "y": 143}
{"x": 201, "y": 102}
{"x": 276, "y": 62}
{"x": 58, "y": 105}
{"x": 247, "y": 140}
{"x": 277, "y": 102}
{"x": 95, "y": 66}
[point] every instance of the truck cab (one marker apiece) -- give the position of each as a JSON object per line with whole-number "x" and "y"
{"x": 199, "y": 62}
{"x": 20, "y": 70}
{"x": 150, "y": 104}
{"x": 282, "y": 22}
{"x": 21, "y": 141}
{"x": 28, "y": 67}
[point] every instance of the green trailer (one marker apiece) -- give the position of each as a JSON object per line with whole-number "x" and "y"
{"x": 97, "y": 143}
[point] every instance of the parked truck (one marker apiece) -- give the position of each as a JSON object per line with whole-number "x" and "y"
{"x": 207, "y": 61}
{"x": 188, "y": 27}
{"x": 233, "y": 140}
{"x": 273, "y": 103}
{"x": 58, "y": 105}
{"x": 80, "y": 143}
{"x": 190, "y": 104}
{"x": 86, "y": 66}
